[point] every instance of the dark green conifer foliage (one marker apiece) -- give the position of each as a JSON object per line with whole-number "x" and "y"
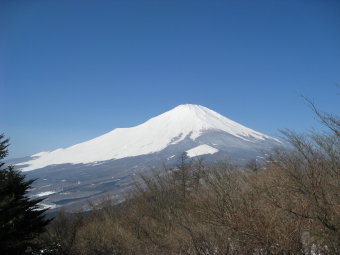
{"x": 21, "y": 220}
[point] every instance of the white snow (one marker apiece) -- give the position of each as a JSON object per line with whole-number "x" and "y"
{"x": 201, "y": 150}
{"x": 47, "y": 206}
{"x": 152, "y": 136}
{"x": 45, "y": 193}
{"x": 171, "y": 157}
{"x": 39, "y": 154}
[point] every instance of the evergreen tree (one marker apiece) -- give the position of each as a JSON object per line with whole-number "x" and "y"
{"x": 21, "y": 220}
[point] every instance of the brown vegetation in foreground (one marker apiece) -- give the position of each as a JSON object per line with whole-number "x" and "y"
{"x": 288, "y": 205}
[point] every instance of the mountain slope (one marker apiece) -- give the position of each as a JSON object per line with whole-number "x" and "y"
{"x": 109, "y": 164}
{"x": 170, "y": 128}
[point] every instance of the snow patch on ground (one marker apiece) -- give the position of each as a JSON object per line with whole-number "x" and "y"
{"x": 201, "y": 150}
{"x": 47, "y": 206}
{"x": 45, "y": 193}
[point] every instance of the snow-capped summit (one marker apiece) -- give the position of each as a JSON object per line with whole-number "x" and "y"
{"x": 194, "y": 119}
{"x": 185, "y": 122}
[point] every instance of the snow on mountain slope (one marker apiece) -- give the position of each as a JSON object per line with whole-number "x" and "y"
{"x": 201, "y": 150}
{"x": 184, "y": 121}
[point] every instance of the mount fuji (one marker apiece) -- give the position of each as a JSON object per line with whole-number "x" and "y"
{"x": 107, "y": 163}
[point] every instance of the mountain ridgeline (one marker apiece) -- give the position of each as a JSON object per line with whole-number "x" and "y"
{"x": 107, "y": 164}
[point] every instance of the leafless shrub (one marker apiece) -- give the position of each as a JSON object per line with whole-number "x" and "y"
{"x": 288, "y": 205}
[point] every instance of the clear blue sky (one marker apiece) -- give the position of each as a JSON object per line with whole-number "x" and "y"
{"x": 72, "y": 70}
